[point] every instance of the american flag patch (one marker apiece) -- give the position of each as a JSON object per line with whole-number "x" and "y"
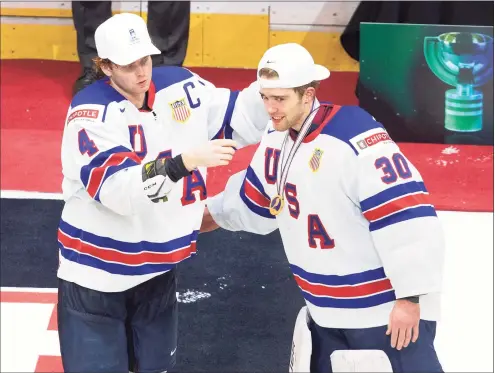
{"x": 314, "y": 162}
{"x": 180, "y": 110}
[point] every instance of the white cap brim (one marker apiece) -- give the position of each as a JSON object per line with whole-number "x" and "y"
{"x": 126, "y": 59}
{"x": 306, "y": 76}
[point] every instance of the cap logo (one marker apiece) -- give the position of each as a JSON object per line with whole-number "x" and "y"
{"x": 270, "y": 61}
{"x": 132, "y": 34}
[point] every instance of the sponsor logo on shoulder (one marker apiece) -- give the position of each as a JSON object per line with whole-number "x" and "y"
{"x": 84, "y": 113}
{"x": 370, "y": 139}
{"x": 87, "y": 113}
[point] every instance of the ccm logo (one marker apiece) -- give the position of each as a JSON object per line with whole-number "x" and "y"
{"x": 84, "y": 113}
{"x": 150, "y": 186}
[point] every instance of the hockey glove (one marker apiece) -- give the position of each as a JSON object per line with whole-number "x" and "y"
{"x": 159, "y": 177}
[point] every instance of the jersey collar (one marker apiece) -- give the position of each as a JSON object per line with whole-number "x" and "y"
{"x": 323, "y": 115}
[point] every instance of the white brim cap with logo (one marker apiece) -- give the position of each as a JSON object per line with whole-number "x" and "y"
{"x": 124, "y": 39}
{"x": 294, "y": 65}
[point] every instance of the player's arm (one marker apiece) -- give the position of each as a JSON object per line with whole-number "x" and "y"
{"x": 99, "y": 154}
{"x": 237, "y": 115}
{"x": 402, "y": 221}
{"x": 244, "y": 204}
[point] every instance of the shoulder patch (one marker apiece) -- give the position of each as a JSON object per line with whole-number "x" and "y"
{"x": 86, "y": 113}
{"x": 352, "y": 124}
{"x": 372, "y": 138}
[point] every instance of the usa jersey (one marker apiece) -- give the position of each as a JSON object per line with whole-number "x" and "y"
{"x": 358, "y": 228}
{"x": 111, "y": 235}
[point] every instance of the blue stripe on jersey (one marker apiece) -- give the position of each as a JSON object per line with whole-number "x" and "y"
{"x": 349, "y": 122}
{"x": 98, "y": 161}
{"x": 253, "y": 178}
{"x": 410, "y": 213}
{"x": 374, "y": 300}
{"x": 391, "y": 193}
{"x": 114, "y": 268}
{"x": 336, "y": 280}
{"x": 228, "y": 114}
{"x": 98, "y": 93}
{"x": 127, "y": 247}
{"x": 226, "y": 130}
{"x": 261, "y": 211}
{"x": 165, "y": 76}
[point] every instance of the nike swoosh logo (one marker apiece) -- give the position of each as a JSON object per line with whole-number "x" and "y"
{"x": 122, "y": 110}
{"x": 173, "y": 351}
{"x": 270, "y": 131}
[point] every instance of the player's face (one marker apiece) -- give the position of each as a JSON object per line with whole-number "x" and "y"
{"x": 285, "y": 106}
{"x": 133, "y": 79}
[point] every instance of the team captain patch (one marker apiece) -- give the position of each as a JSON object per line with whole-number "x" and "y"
{"x": 370, "y": 138}
{"x": 180, "y": 110}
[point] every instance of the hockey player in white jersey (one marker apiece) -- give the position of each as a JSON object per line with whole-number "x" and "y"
{"x": 361, "y": 237}
{"x": 135, "y": 149}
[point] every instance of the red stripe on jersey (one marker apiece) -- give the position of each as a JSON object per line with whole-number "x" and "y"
{"x": 98, "y": 173}
{"x": 344, "y": 291}
{"x": 114, "y": 256}
{"x": 255, "y": 195}
{"x": 397, "y": 205}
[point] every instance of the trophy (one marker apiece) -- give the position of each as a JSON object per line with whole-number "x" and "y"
{"x": 463, "y": 60}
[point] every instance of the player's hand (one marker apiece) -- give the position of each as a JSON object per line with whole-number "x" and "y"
{"x": 208, "y": 224}
{"x": 213, "y": 153}
{"x": 403, "y": 326}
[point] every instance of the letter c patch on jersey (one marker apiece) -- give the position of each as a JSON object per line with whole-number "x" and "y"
{"x": 180, "y": 110}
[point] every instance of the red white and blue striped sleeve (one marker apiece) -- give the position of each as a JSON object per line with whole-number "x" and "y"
{"x": 97, "y": 153}
{"x": 104, "y": 165}
{"x": 244, "y": 203}
{"x": 397, "y": 204}
{"x": 403, "y": 222}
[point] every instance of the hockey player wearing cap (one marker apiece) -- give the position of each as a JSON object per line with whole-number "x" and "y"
{"x": 361, "y": 237}
{"x": 134, "y": 155}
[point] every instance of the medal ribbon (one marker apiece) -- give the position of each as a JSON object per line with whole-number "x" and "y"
{"x": 300, "y": 137}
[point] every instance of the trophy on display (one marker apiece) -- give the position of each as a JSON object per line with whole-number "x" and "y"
{"x": 463, "y": 60}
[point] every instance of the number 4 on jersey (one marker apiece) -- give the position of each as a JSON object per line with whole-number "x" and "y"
{"x": 86, "y": 145}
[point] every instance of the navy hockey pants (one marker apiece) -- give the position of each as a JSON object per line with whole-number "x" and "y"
{"x": 134, "y": 330}
{"x": 417, "y": 357}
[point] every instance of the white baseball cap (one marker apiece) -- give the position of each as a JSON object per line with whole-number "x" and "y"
{"x": 294, "y": 64}
{"x": 123, "y": 39}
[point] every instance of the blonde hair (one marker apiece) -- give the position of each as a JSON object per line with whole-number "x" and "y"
{"x": 268, "y": 73}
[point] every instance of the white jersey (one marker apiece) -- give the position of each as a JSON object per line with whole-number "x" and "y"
{"x": 111, "y": 235}
{"x": 357, "y": 226}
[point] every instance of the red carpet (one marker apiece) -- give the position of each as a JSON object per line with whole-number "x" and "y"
{"x": 36, "y": 95}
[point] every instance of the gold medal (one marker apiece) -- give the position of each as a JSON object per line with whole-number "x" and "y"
{"x": 276, "y": 205}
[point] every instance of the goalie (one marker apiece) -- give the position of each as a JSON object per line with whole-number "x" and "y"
{"x": 363, "y": 241}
